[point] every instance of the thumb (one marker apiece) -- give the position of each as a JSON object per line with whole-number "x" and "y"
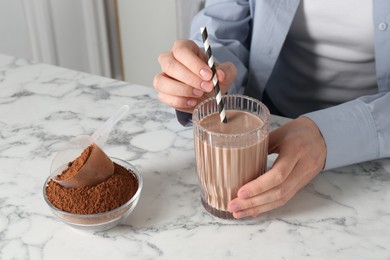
{"x": 226, "y": 73}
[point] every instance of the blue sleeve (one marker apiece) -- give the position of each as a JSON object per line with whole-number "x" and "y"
{"x": 228, "y": 24}
{"x": 355, "y": 131}
{"x": 359, "y": 130}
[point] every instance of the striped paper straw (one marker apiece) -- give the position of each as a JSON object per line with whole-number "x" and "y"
{"x": 217, "y": 90}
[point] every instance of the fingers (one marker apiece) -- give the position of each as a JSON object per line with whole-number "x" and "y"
{"x": 176, "y": 94}
{"x": 264, "y": 207}
{"x": 186, "y": 78}
{"x": 278, "y": 198}
{"x": 164, "y": 84}
{"x": 192, "y": 57}
{"x": 271, "y": 190}
{"x": 273, "y": 198}
{"x": 279, "y": 172}
{"x": 177, "y": 70}
{"x": 302, "y": 153}
{"x": 226, "y": 73}
{"x": 180, "y": 84}
{"x": 229, "y": 72}
{"x": 179, "y": 103}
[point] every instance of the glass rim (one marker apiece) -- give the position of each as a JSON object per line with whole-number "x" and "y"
{"x": 264, "y": 126}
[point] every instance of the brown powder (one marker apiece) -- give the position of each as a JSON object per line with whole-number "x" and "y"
{"x": 75, "y": 166}
{"x": 108, "y": 195}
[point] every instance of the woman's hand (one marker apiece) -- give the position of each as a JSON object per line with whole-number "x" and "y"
{"x": 302, "y": 154}
{"x": 185, "y": 79}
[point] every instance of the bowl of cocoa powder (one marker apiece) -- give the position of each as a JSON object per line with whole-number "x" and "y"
{"x": 99, "y": 207}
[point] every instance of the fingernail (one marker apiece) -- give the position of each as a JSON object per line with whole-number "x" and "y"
{"x": 205, "y": 74}
{"x": 197, "y": 92}
{"x": 221, "y": 75}
{"x": 191, "y": 102}
{"x": 234, "y": 207}
{"x": 206, "y": 86}
{"x": 241, "y": 214}
{"x": 244, "y": 194}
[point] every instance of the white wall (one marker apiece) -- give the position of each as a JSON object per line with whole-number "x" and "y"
{"x": 67, "y": 33}
{"x": 14, "y": 34}
{"x": 148, "y": 28}
{"x": 186, "y": 10}
{"x": 72, "y": 34}
{"x": 70, "y": 42}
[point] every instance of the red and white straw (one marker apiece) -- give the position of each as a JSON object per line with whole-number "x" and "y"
{"x": 217, "y": 90}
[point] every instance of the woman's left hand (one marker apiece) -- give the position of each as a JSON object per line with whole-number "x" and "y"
{"x": 301, "y": 156}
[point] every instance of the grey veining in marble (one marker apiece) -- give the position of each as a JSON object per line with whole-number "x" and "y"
{"x": 342, "y": 214}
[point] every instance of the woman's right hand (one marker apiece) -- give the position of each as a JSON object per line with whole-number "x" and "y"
{"x": 185, "y": 79}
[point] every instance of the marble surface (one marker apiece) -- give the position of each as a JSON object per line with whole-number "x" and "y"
{"x": 342, "y": 214}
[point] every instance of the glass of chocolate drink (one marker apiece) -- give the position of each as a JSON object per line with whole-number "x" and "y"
{"x": 229, "y": 155}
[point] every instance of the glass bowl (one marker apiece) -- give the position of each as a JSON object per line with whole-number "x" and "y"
{"x": 100, "y": 221}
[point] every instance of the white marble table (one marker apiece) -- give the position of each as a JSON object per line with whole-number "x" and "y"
{"x": 342, "y": 214}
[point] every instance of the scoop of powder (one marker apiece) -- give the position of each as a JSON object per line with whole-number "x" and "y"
{"x": 75, "y": 166}
{"x": 107, "y": 195}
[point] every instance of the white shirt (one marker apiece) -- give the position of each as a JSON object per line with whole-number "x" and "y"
{"x": 328, "y": 57}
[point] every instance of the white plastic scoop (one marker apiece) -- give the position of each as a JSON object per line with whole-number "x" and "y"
{"x": 97, "y": 167}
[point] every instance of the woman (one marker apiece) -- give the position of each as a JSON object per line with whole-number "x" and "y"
{"x": 323, "y": 63}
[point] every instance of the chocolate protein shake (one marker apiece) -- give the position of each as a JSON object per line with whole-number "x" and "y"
{"x": 232, "y": 154}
